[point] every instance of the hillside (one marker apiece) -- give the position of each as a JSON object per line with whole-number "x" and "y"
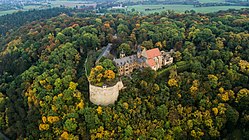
{"x": 16, "y": 20}
{"x": 203, "y": 95}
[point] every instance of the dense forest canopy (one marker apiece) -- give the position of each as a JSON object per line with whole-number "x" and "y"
{"x": 203, "y": 95}
{"x": 15, "y": 20}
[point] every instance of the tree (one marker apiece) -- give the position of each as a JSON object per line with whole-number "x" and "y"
{"x": 91, "y": 118}
{"x": 202, "y": 38}
{"x": 232, "y": 116}
{"x": 109, "y": 75}
{"x": 90, "y": 41}
{"x": 125, "y": 47}
{"x": 147, "y": 44}
{"x": 99, "y": 76}
{"x": 128, "y": 131}
{"x": 61, "y": 37}
{"x": 70, "y": 125}
{"x": 107, "y": 64}
{"x": 172, "y": 82}
{"x": 122, "y": 28}
{"x": 213, "y": 80}
{"x": 178, "y": 56}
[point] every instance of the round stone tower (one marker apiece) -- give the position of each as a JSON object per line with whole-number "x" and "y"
{"x": 105, "y": 95}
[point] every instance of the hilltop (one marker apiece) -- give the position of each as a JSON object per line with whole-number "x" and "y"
{"x": 204, "y": 94}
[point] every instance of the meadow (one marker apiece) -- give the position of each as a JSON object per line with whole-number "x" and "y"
{"x": 210, "y": 1}
{"x": 180, "y": 8}
{"x": 53, "y": 4}
{"x": 140, "y": 8}
{"x": 201, "y": 1}
{"x": 7, "y": 12}
{"x": 25, "y": 8}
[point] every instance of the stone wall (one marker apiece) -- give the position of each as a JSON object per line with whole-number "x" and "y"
{"x": 105, "y": 95}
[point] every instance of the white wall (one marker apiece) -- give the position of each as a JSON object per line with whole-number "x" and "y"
{"x": 105, "y": 96}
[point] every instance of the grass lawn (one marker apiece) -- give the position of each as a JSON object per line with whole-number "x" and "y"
{"x": 181, "y": 8}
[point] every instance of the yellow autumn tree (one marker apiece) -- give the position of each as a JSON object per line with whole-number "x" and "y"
{"x": 64, "y": 136}
{"x": 225, "y": 95}
{"x": 109, "y": 74}
{"x": 81, "y": 104}
{"x": 244, "y": 66}
{"x": 72, "y": 85}
{"x": 194, "y": 86}
{"x": 43, "y": 127}
{"x": 172, "y": 82}
{"x": 53, "y": 119}
{"x": 99, "y": 110}
{"x": 99, "y": 77}
{"x": 126, "y": 105}
{"x": 242, "y": 93}
{"x": 44, "y": 119}
{"x": 159, "y": 45}
{"x": 96, "y": 75}
{"x": 215, "y": 111}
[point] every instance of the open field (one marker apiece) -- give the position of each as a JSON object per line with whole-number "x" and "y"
{"x": 53, "y": 4}
{"x": 181, "y": 8}
{"x": 140, "y": 8}
{"x": 208, "y": 1}
{"x": 24, "y": 9}
{"x": 67, "y": 3}
{"x": 7, "y": 12}
{"x": 201, "y": 1}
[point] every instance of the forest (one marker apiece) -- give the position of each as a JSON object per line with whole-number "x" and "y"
{"x": 203, "y": 95}
{"x": 15, "y": 20}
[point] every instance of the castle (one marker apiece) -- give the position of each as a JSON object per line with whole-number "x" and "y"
{"x": 153, "y": 58}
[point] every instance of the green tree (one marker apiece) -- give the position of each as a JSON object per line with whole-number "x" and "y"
{"x": 70, "y": 125}
{"x": 125, "y": 47}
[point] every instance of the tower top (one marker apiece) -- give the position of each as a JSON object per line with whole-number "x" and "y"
{"x": 122, "y": 54}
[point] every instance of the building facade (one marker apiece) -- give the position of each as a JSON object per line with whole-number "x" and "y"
{"x": 153, "y": 58}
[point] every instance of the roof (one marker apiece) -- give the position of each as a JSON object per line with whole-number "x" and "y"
{"x": 152, "y": 53}
{"x": 141, "y": 60}
{"x": 125, "y": 60}
{"x": 105, "y": 52}
{"x": 151, "y": 62}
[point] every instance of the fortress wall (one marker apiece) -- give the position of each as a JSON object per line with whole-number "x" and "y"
{"x": 105, "y": 96}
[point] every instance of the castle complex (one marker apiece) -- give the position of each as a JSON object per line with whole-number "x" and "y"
{"x": 153, "y": 58}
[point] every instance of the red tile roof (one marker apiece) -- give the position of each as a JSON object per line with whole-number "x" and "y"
{"x": 152, "y": 53}
{"x": 151, "y": 62}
